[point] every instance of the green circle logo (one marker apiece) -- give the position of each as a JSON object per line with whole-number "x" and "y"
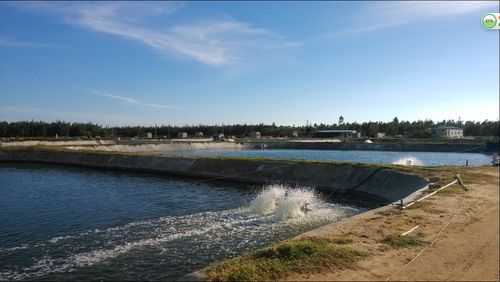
{"x": 489, "y": 21}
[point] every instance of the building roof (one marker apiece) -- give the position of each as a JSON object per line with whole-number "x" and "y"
{"x": 448, "y": 127}
{"x": 337, "y": 131}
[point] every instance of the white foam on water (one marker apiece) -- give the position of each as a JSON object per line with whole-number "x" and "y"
{"x": 54, "y": 240}
{"x": 267, "y": 200}
{"x": 12, "y": 249}
{"x": 91, "y": 258}
{"x": 275, "y": 208}
{"x": 408, "y": 161}
{"x": 292, "y": 203}
{"x": 162, "y": 232}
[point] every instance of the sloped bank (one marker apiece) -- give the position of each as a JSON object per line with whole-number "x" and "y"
{"x": 381, "y": 184}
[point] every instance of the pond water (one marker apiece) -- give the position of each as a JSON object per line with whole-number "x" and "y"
{"x": 62, "y": 223}
{"x": 375, "y": 157}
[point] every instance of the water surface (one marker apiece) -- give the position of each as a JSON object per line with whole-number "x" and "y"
{"x": 374, "y": 157}
{"x": 69, "y": 223}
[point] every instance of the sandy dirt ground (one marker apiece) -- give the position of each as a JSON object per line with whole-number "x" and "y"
{"x": 460, "y": 229}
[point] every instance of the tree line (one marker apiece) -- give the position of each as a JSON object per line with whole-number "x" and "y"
{"x": 413, "y": 129}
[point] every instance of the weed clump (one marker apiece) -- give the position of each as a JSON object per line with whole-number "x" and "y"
{"x": 397, "y": 241}
{"x": 296, "y": 256}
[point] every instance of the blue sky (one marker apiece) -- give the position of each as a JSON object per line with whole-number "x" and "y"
{"x": 118, "y": 63}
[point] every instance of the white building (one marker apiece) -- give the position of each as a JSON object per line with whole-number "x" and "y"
{"x": 449, "y": 132}
{"x": 255, "y": 134}
{"x": 218, "y": 137}
{"x": 149, "y": 135}
{"x": 182, "y": 135}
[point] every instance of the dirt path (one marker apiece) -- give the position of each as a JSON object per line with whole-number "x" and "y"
{"x": 469, "y": 253}
{"x": 461, "y": 230}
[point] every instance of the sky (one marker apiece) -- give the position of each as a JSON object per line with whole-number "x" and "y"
{"x": 180, "y": 63}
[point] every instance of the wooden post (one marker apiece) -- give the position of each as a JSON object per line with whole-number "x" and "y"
{"x": 460, "y": 181}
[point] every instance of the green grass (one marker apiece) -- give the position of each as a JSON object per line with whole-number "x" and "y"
{"x": 296, "y": 256}
{"x": 397, "y": 241}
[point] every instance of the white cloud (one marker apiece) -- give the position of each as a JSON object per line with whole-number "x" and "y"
{"x": 382, "y": 15}
{"x": 211, "y": 42}
{"x": 131, "y": 100}
{"x": 12, "y": 43}
{"x": 121, "y": 98}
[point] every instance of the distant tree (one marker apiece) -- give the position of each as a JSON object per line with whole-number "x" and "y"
{"x": 414, "y": 129}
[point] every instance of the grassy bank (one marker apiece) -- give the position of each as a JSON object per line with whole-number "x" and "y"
{"x": 298, "y": 256}
{"x": 302, "y": 257}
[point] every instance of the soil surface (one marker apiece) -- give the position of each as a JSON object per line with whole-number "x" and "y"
{"x": 460, "y": 230}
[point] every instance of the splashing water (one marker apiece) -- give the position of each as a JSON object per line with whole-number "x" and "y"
{"x": 295, "y": 203}
{"x": 266, "y": 201}
{"x": 276, "y": 213}
{"x": 408, "y": 161}
{"x": 286, "y": 203}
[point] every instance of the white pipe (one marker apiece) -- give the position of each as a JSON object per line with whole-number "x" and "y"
{"x": 428, "y": 195}
{"x": 410, "y": 231}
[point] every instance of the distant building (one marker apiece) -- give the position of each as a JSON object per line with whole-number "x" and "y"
{"x": 380, "y": 135}
{"x": 336, "y": 133}
{"x": 199, "y": 134}
{"x": 149, "y": 135}
{"x": 295, "y": 133}
{"x": 448, "y": 132}
{"x": 219, "y": 137}
{"x": 255, "y": 134}
{"x": 182, "y": 135}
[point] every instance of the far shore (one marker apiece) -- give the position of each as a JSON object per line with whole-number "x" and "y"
{"x": 360, "y": 144}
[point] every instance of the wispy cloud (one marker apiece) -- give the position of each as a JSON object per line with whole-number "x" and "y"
{"x": 12, "y": 43}
{"x": 131, "y": 100}
{"x": 383, "y": 15}
{"x": 215, "y": 43}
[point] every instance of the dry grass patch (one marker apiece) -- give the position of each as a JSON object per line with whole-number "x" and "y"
{"x": 426, "y": 206}
{"x": 452, "y": 190}
{"x": 389, "y": 212}
{"x": 398, "y": 241}
{"x": 478, "y": 178}
{"x": 296, "y": 256}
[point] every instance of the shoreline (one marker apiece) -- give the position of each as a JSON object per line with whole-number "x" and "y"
{"x": 457, "y": 146}
{"x": 454, "y": 240}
